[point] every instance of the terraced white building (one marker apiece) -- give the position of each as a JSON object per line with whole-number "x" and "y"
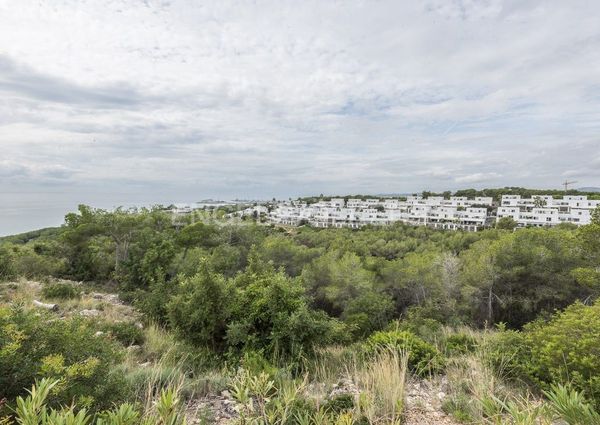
{"x": 544, "y": 210}
{"x": 454, "y": 213}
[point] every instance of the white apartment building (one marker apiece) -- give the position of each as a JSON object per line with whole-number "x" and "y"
{"x": 455, "y": 213}
{"x": 544, "y": 210}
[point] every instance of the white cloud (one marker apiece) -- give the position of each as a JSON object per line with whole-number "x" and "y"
{"x": 188, "y": 99}
{"x": 478, "y": 178}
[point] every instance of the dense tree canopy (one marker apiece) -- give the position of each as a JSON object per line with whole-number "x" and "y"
{"x": 230, "y": 286}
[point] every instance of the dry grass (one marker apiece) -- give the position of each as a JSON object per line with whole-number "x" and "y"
{"x": 21, "y": 291}
{"x": 24, "y": 291}
{"x": 382, "y": 382}
{"x": 330, "y": 363}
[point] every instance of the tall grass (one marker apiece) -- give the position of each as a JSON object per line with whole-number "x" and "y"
{"x": 330, "y": 363}
{"x": 481, "y": 394}
{"x": 164, "y": 362}
{"x": 382, "y": 383}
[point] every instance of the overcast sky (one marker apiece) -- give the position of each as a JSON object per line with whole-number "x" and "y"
{"x": 138, "y": 101}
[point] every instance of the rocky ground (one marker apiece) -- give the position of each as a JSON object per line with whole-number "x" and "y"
{"x": 423, "y": 404}
{"x": 93, "y": 302}
{"x": 220, "y": 409}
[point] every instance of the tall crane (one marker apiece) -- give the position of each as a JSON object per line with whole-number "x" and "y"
{"x": 566, "y": 184}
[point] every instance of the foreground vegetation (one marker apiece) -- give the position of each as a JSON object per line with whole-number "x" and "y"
{"x": 296, "y": 326}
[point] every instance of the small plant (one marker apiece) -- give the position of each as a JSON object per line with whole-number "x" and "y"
{"x": 340, "y": 403}
{"x": 423, "y": 357}
{"x": 125, "y": 332}
{"x": 167, "y": 409}
{"x": 460, "y": 343}
{"x": 458, "y": 408}
{"x": 570, "y": 406}
{"x": 61, "y": 291}
{"x": 32, "y": 410}
{"x": 523, "y": 411}
{"x": 125, "y": 414}
{"x": 253, "y": 392}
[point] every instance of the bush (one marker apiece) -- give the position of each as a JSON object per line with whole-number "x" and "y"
{"x": 126, "y": 333}
{"x": 60, "y": 290}
{"x": 40, "y": 345}
{"x": 563, "y": 349}
{"x": 567, "y": 349}
{"x": 200, "y": 311}
{"x": 33, "y": 263}
{"x": 339, "y": 404}
{"x": 368, "y": 313}
{"x": 423, "y": 357}
{"x": 459, "y": 343}
{"x": 419, "y": 321}
{"x": 507, "y": 352}
{"x": 7, "y": 267}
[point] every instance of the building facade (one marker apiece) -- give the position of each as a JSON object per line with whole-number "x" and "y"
{"x": 454, "y": 213}
{"x": 544, "y": 210}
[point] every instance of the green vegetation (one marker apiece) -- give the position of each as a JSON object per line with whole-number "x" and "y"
{"x": 38, "y": 345}
{"x": 60, "y": 290}
{"x": 301, "y": 326}
{"x": 423, "y": 358}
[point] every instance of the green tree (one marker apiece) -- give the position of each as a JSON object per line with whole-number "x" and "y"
{"x": 506, "y": 223}
{"x": 333, "y": 280}
{"x": 522, "y": 274}
{"x": 272, "y": 313}
{"x": 369, "y": 312}
{"x": 415, "y": 279}
{"x": 201, "y": 309}
{"x": 195, "y": 235}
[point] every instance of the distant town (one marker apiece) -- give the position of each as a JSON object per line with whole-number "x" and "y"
{"x": 441, "y": 212}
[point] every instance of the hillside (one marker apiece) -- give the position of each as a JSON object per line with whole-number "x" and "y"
{"x": 223, "y": 323}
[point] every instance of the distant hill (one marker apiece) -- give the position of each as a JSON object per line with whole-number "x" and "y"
{"x": 22, "y": 238}
{"x": 589, "y": 189}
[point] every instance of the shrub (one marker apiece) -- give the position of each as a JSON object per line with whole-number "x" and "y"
{"x": 507, "y": 352}
{"x": 419, "y": 321}
{"x": 161, "y": 346}
{"x": 567, "y": 349}
{"x": 31, "y": 264}
{"x": 255, "y": 363}
{"x": 126, "y": 333}
{"x": 459, "y": 343}
{"x": 40, "y": 345}
{"x": 339, "y": 404}
{"x": 7, "y": 268}
{"x": 200, "y": 311}
{"x": 61, "y": 290}
{"x": 423, "y": 357}
{"x": 368, "y": 313}
{"x": 563, "y": 349}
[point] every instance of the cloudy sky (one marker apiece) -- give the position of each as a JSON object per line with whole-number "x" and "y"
{"x": 113, "y": 102}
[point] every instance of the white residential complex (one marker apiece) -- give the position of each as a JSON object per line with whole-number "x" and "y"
{"x": 544, "y": 210}
{"x": 454, "y": 213}
{"x": 435, "y": 211}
